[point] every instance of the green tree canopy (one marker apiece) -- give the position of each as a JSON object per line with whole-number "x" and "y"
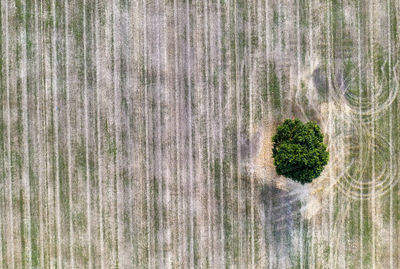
{"x": 298, "y": 150}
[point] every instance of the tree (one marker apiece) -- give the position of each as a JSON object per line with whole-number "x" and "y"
{"x": 298, "y": 150}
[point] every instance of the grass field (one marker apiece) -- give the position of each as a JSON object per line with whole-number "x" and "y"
{"x": 137, "y": 134}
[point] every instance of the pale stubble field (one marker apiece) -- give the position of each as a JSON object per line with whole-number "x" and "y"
{"x": 137, "y": 134}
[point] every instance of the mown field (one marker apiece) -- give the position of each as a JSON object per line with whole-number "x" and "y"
{"x": 137, "y": 134}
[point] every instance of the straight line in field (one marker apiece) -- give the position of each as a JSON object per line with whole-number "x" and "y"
{"x": 128, "y": 141}
{"x": 46, "y": 109}
{"x": 99, "y": 137}
{"x": 280, "y": 49}
{"x": 3, "y": 220}
{"x": 390, "y": 140}
{"x": 250, "y": 65}
{"x": 396, "y": 81}
{"x": 85, "y": 89}
{"x": 211, "y": 97}
{"x": 208, "y": 256}
{"x": 117, "y": 113}
{"x": 372, "y": 89}
{"x": 395, "y": 56}
{"x": 133, "y": 176}
{"x": 212, "y": 57}
{"x": 342, "y": 250}
{"x": 189, "y": 103}
{"x": 238, "y": 128}
{"x": 9, "y": 173}
{"x": 209, "y": 216}
{"x": 56, "y": 147}
{"x": 139, "y": 219}
{"x": 25, "y": 173}
{"x": 184, "y": 171}
{"x": 270, "y": 120}
{"x": 311, "y": 55}
{"x": 198, "y": 127}
{"x": 166, "y": 196}
{"x": 2, "y": 243}
{"x": 259, "y": 110}
{"x": 267, "y": 50}
{"x": 231, "y": 95}
{"x": 196, "y": 171}
{"x": 220, "y": 130}
{"x": 148, "y": 206}
{"x": 159, "y": 158}
{"x": 176, "y": 85}
{"x": 311, "y": 32}
{"x": 43, "y": 110}
{"x": 40, "y": 135}
{"x": 3, "y": 215}
{"x": 180, "y": 235}
{"x": 132, "y": 205}
{"x": 69, "y": 150}
{"x": 182, "y": 148}
{"x": 48, "y": 106}
{"x": 331, "y": 197}
{"x": 360, "y": 126}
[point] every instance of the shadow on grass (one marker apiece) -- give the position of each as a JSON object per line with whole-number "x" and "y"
{"x": 282, "y": 218}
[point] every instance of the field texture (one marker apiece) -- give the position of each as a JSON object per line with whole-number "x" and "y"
{"x": 137, "y": 134}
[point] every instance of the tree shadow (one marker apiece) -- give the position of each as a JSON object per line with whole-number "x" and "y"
{"x": 282, "y": 218}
